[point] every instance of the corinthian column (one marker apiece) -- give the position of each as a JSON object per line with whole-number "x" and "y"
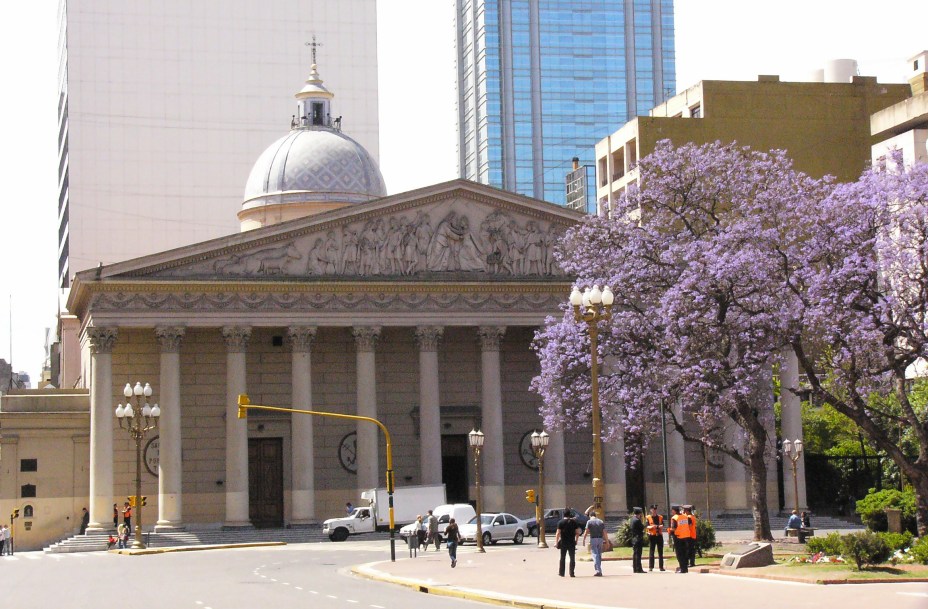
{"x": 236, "y": 338}
{"x": 366, "y": 338}
{"x": 491, "y": 409}
{"x": 303, "y": 495}
{"x": 101, "y": 428}
{"x": 428, "y": 338}
{"x": 170, "y": 470}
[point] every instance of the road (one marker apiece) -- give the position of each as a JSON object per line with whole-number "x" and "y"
{"x": 301, "y": 575}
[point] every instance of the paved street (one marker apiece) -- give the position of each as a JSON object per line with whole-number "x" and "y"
{"x": 319, "y": 575}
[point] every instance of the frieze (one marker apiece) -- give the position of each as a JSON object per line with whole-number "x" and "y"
{"x": 327, "y": 301}
{"x": 453, "y": 237}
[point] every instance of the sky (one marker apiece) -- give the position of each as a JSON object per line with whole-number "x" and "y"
{"x": 715, "y": 39}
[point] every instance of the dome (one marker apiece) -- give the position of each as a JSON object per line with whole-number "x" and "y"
{"x": 312, "y": 169}
{"x": 315, "y": 164}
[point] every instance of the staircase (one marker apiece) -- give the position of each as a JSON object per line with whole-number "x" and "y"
{"x": 745, "y": 522}
{"x": 98, "y": 542}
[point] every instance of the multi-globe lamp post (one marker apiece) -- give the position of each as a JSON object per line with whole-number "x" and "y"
{"x": 539, "y": 444}
{"x": 593, "y": 306}
{"x": 138, "y": 421}
{"x": 476, "y": 439}
{"x": 793, "y": 450}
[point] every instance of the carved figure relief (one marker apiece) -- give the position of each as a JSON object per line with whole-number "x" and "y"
{"x": 448, "y": 237}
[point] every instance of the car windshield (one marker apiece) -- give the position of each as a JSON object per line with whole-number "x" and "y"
{"x": 484, "y": 519}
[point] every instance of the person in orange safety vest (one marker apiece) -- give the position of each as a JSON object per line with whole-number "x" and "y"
{"x": 655, "y": 528}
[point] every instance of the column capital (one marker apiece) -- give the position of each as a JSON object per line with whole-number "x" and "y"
{"x": 490, "y": 337}
{"x": 236, "y": 338}
{"x": 102, "y": 338}
{"x": 366, "y": 337}
{"x": 301, "y": 338}
{"x": 170, "y": 338}
{"x": 429, "y": 337}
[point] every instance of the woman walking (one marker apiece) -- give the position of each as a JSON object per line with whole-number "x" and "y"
{"x": 453, "y": 534}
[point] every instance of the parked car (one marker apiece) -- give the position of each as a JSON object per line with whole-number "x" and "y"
{"x": 495, "y": 527}
{"x": 461, "y": 512}
{"x": 552, "y": 517}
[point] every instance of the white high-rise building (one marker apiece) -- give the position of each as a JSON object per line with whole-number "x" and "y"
{"x": 165, "y": 104}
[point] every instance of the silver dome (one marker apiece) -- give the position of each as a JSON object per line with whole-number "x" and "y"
{"x": 316, "y": 164}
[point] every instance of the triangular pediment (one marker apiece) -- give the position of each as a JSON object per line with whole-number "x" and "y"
{"x": 457, "y": 231}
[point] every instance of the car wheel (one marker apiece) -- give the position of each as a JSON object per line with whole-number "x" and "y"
{"x": 340, "y": 534}
{"x": 487, "y": 539}
{"x": 518, "y": 538}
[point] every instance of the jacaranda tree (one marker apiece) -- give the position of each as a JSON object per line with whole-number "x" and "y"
{"x": 698, "y": 313}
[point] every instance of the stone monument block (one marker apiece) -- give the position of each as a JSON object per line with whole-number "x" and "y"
{"x": 750, "y": 555}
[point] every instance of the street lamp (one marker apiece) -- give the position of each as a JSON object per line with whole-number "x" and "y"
{"x": 138, "y": 426}
{"x": 475, "y": 437}
{"x": 593, "y": 306}
{"x": 539, "y": 444}
{"x": 793, "y": 450}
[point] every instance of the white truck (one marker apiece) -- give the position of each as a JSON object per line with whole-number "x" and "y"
{"x": 408, "y": 502}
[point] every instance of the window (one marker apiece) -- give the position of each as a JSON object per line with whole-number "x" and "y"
{"x": 27, "y": 490}
{"x": 696, "y": 111}
{"x": 498, "y": 520}
{"x": 317, "y": 113}
{"x": 444, "y": 519}
{"x": 28, "y": 465}
{"x": 510, "y": 519}
{"x": 28, "y": 512}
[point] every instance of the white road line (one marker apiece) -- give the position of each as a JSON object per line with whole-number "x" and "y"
{"x": 285, "y": 583}
{"x": 378, "y": 607}
{"x": 313, "y": 592}
{"x": 332, "y": 597}
{"x": 348, "y": 600}
{"x": 919, "y": 594}
{"x": 273, "y": 580}
{"x": 297, "y": 587}
{"x": 198, "y": 602}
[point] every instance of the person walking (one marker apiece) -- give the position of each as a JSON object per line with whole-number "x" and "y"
{"x": 655, "y": 530}
{"x": 692, "y": 547}
{"x": 348, "y": 509}
{"x": 127, "y": 516}
{"x": 122, "y": 532}
{"x": 453, "y": 534}
{"x": 7, "y": 540}
{"x": 637, "y": 534}
{"x": 595, "y": 529}
{"x": 431, "y": 523}
{"x": 680, "y": 527}
{"x": 85, "y": 520}
{"x": 115, "y": 517}
{"x": 568, "y": 532}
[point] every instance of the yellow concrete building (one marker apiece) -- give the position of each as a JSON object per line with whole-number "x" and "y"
{"x": 824, "y": 126}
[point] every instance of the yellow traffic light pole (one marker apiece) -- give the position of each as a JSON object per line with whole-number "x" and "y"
{"x": 244, "y": 405}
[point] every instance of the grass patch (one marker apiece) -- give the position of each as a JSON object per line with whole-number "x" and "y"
{"x": 833, "y": 571}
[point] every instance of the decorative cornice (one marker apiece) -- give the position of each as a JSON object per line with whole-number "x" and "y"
{"x": 366, "y": 338}
{"x": 236, "y": 338}
{"x": 102, "y": 339}
{"x": 301, "y": 338}
{"x": 428, "y": 337}
{"x": 490, "y": 336}
{"x": 170, "y": 338}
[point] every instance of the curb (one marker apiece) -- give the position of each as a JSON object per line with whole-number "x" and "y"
{"x": 226, "y": 546}
{"x": 822, "y": 582}
{"x": 494, "y": 598}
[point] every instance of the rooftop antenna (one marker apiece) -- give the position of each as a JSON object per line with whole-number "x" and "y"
{"x": 314, "y": 45}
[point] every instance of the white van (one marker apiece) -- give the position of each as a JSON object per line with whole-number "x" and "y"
{"x": 461, "y": 512}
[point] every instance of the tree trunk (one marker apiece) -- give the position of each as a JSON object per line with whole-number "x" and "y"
{"x": 920, "y": 484}
{"x": 758, "y": 467}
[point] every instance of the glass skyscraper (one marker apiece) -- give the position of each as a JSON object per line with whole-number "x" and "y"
{"x": 541, "y": 81}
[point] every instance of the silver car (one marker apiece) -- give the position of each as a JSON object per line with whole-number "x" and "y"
{"x": 495, "y": 527}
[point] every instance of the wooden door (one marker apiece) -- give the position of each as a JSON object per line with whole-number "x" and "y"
{"x": 266, "y": 482}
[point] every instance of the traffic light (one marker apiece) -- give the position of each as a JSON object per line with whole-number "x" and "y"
{"x": 530, "y": 495}
{"x": 15, "y": 514}
{"x": 144, "y": 500}
{"x": 131, "y": 499}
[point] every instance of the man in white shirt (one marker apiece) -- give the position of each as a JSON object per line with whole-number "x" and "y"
{"x": 8, "y": 540}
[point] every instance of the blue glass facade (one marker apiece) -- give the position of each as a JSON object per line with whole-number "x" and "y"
{"x": 541, "y": 81}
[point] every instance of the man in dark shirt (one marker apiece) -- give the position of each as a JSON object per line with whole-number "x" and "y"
{"x": 568, "y": 531}
{"x": 637, "y": 534}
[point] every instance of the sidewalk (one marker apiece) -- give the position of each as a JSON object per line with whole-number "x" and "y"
{"x": 526, "y": 576}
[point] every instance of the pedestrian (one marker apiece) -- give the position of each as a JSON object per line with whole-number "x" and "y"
{"x": 420, "y": 530}
{"x": 431, "y": 522}
{"x": 85, "y": 520}
{"x": 595, "y": 528}
{"x": 568, "y": 532}
{"x": 453, "y": 534}
{"x": 349, "y": 508}
{"x": 655, "y": 530}
{"x": 115, "y": 517}
{"x": 692, "y": 545}
{"x": 127, "y": 516}
{"x": 122, "y": 532}
{"x": 8, "y": 540}
{"x": 806, "y": 520}
{"x": 680, "y": 527}
{"x": 2, "y": 540}
{"x": 637, "y": 534}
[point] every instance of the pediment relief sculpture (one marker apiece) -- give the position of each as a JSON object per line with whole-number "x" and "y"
{"x": 445, "y": 238}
